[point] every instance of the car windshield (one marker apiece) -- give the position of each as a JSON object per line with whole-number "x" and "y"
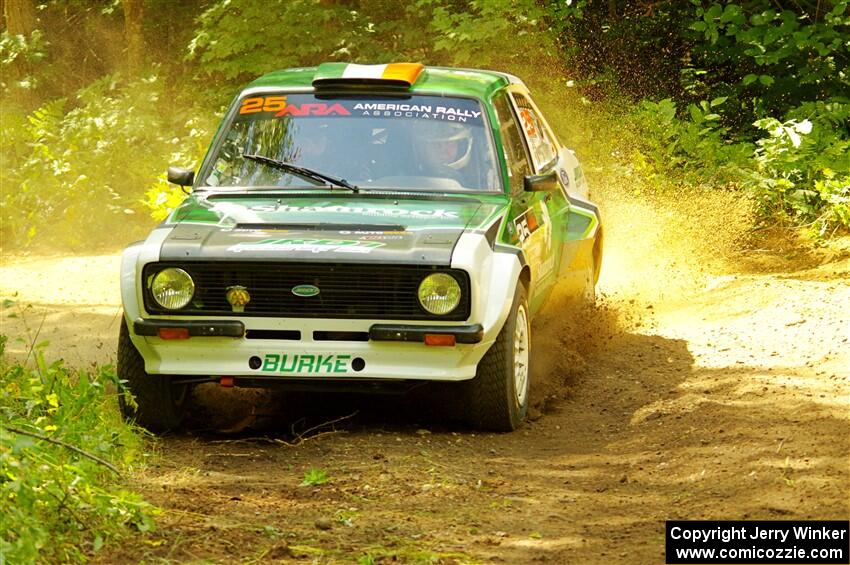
{"x": 429, "y": 143}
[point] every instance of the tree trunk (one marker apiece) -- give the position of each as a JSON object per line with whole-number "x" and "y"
{"x": 19, "y": 16}
{"x": 134, "y": 11}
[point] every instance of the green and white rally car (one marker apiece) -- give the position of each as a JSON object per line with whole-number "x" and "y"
{"x": 361, "y": 226}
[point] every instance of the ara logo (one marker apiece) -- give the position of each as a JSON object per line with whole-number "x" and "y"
{"x": 313, "y": 109}
{"x": 280, "y": 107}
{"x": 305, "y": 290}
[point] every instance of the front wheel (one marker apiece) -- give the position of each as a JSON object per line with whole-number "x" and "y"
{"x": 588, "y": 295}
{"x": 157, "y": 404}
{"x": 498, "y": 395}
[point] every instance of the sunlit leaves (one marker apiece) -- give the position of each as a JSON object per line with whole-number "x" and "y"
{"x": 90, "y": 160}
{"x": 238, "y": 39}
{"x": 56, "y": 505}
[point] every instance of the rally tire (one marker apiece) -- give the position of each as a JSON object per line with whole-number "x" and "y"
{"x": 492, "y": 399}
{"x": 588, "y": 295}
{"x": 594, "y": 270}
{"x": 159, "y": 405}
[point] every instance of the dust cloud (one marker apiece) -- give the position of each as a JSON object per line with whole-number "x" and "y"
{"x": 659, "y": 249}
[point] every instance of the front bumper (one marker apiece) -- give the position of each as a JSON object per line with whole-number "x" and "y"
{"x": 318, "y": 349}
{"x": 377, "y": 332}
{"x": 196, "y": 328}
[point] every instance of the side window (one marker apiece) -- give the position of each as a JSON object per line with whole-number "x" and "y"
{"x": 541, "y": 147}
{"x": 515, "y": 154}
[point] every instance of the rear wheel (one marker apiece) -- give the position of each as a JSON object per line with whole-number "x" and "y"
{"x": 157, "y": 404}
{"x": 498, "y": 395}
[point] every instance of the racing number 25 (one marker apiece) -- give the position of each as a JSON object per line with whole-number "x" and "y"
{"x": 263, "y": 104}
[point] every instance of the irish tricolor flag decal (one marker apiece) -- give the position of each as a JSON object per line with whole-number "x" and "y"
{"x": 396, "y": 74}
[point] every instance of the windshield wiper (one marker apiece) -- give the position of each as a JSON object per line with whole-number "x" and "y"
{"x": 302, "y": 172}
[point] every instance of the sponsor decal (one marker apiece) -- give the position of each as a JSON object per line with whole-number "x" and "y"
{"x": 565, "y": 178}
{"x": 526, "y": 224}
{"x": 528, "y": 122}
{"x": 530, "y": 221}
{"x": 309, "y": 245}
{"x": 313, "y": 109}
{"x": 360, "y": 232}
{"x": 376, "y": 235}
{"x": 298, "y": 105}
{"x": 278, "y": 106}
{"x": 547, "y": 226}
{"x": 366, "y": 211}
{"x": 420, "y": 111}
{"x": 578, "y": 173}
{"x": 317, "y": 364}
{"x": 262, "y": 104}
{"x": 546, "y": 268}
{"x": 385, "y": 237}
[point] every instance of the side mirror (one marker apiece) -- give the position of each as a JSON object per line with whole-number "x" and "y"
{"x": 181, "y": 176}
{"x": 546, "y": 182}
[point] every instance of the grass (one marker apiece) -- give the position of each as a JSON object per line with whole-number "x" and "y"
{"x": 64, "y": 450}
{"x": 314, "y": 477}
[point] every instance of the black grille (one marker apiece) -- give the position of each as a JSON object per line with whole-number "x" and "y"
{"x": 380, "y": 292}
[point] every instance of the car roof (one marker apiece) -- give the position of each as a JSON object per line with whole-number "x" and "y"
{"x": 476, "y": 83}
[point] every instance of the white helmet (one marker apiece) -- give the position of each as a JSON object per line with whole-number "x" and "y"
{"x": 443, "y": 143}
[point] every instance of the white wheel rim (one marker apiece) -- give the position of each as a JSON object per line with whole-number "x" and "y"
{"x": 521, "y": 343}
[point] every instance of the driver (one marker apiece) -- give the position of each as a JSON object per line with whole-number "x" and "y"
{"x": 312, "y": 138}
{"x": 442, "y": 149}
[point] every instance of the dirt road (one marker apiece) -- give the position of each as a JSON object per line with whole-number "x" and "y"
{"x": 706, "y": 385}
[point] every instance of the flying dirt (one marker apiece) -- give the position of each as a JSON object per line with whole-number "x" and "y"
{"x": 709, "y": 383}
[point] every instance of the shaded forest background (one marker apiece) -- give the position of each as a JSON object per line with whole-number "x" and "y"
{"x": 99, "y": 97}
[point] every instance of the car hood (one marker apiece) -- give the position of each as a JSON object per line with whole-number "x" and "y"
{"x": 328, "y": 228}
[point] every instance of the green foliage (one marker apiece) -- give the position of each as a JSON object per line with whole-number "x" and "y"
{"x": 772, "y": 55}
{"x": 58, "y": 505}
{"x": 621, "y": 46}
{"x": 802, "y": 170}
{"x": 691, "y": 151}
{"x": 236, "y": 40}
{"x": 239, "y": 39}
{"x": 23, "y": 52}
{"x": 798, "y": 170}
{"x": 90, "y": 163}
{"x": 485, "y": 33}
{"x": 314, "y": 477}
{"x": 748, "y": 94}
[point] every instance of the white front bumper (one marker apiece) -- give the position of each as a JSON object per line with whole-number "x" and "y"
{"x": 305, "y": 358}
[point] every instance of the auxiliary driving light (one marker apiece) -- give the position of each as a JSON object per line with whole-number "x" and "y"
{"x": 172, "y": 288}
{"x": 238, "y": 297}
{"x": 439, "y": 293}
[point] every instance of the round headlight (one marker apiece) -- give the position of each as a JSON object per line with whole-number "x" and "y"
{"x": 172, "y": 288}
{"x": 439, "y": 293}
